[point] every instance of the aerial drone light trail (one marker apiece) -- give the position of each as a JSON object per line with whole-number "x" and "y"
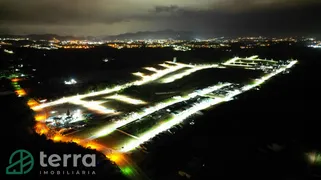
{"x": 186, "y": 73}
{"x": 126, "y": 99}
{"x": 137, "y": 115}
{"x": 176, "y": 119}
{"x": 144, "y": 80}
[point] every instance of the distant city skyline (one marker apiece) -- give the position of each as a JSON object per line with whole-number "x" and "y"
{"x": 203, "y": 17}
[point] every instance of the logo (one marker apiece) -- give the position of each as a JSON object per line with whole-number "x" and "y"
{"x": 23, "y": 164}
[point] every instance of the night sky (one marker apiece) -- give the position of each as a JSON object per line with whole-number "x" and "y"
{"x": 204, "y": 17}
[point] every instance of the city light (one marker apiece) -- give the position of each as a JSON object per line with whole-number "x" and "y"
{"x": 126, "y": 99}
{"x": 151, "y": 69}
{"x": 187, "y": 72}
{"x": 93, "y": 105}
{"x": 127, "y": 171}
{"x": 77, "y": 116}
{"x": 8, "y": 51}
{"x": 15, "y": 79}
{"x": 115, "y": 157}
{"x": 144, "y": 80}
{"x": 32, "y": 102}
{"x": 159, "y": 74}
{"x": 253, "y": 57}
{"x": 248, "y": 65}
{"x": 21, "y": 92}
{"x": 139, "y": 74}
{"x": 40, "y": 117}
{"x": 72, "y": 81}
{"x": 165, "y": 65}
{"x": 137, "y": 115}
{"x": 176, "y": 119}
{"x": 179, "y": 64}
{"x": 206, "y": 101}
{"x": 57, "y": 138}
{"x": 228, "y": 62}
{"x": 41, "y": 128}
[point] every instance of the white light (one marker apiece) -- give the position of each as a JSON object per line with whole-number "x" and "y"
{"x": 43, "y": 100}
{"x": 176, "y": 119}
{"x": 72, "y": 81}
{"x": 126, "y": 99}
{"x": 146, "y": 79}
{"x": 8, "y": 51}
{"x": 134, "y": 143}
{"x": 137, "y": 115}
{"x": 151, "y": 69}
{"x": 139, "y": 74}
{"x": 228, "y": 62}
{"x": 187, "y": 72}
{"x": 93, "y": 105}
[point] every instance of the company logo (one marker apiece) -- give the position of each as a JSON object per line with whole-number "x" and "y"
{"x": 23, "y": 164}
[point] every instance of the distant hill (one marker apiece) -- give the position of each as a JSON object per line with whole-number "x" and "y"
{"x": 165, "y": 34}
{"x": 45, "y": 37}
{"x": 48, "y": 37}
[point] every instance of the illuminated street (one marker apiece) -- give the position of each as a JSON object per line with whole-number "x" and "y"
{"x": 115, "y": 132}
{"x": 123, "y": 120}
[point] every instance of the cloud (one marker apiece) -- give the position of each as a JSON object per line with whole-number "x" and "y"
{"x": 117, "y": 16}
{"x": 54, "y": 12}
{"x": 167, "y": 9}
